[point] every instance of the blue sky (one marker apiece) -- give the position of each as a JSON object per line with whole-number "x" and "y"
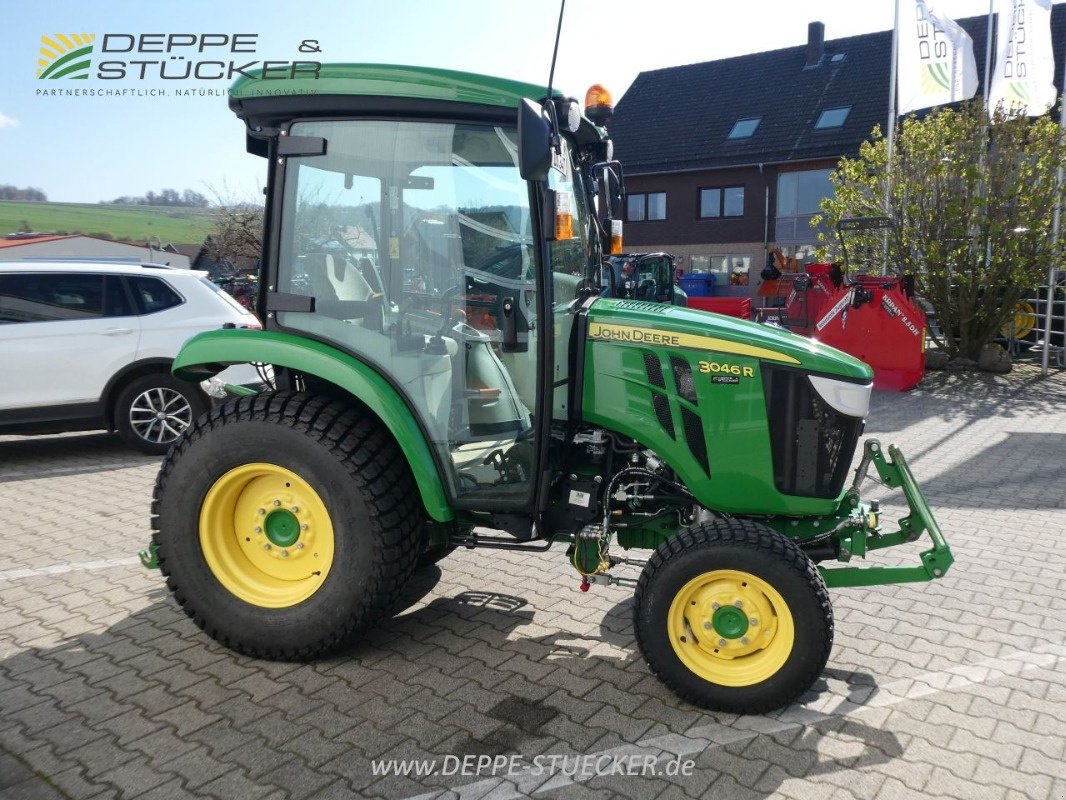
{"x": 85, "y": 149}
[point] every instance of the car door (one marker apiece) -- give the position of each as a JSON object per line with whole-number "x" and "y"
{"x": 62, "y": 336}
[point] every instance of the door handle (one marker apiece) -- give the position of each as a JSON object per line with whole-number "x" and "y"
{"x": 116, "y": 331}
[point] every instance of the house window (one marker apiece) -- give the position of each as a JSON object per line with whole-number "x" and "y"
{"x": 832, "y": 118}
{"x": 728, "y": 270}
{"x": 799, "y": 197}
{"x": 727, "y": 201}
{"x": 651, "y": 206}
{"x": 744, "y": 128}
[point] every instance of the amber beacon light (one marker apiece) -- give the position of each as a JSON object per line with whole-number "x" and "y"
{"x": 598, "y": 104}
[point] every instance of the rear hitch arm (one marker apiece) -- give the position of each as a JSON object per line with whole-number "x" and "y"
{"x": 894, "y": 473}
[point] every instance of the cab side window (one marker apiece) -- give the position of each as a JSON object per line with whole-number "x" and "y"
{"x": 49, "y": 297}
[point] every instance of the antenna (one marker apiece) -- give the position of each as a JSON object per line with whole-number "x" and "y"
{"x": 551, "y": 78}
{"x": 555, "y": 52}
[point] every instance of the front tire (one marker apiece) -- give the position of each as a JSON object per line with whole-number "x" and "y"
{"x": 733, "y": 617}
{"x": 284, "y": 524}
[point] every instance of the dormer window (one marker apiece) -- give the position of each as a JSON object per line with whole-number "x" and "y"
{"x": 744, "y": 128}
{"x": 832, "y": 118}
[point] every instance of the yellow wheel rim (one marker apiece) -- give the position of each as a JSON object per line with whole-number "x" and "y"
{"x": 731, "y": 628}
{"x": 266, "y": 535}
{"x": 1024, "y": 321}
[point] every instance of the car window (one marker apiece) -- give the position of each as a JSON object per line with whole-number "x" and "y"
{"x": 154, "y": 294}
{"x": 45, "y": 297}
{"x": 116, "y": 300}
{"x": 246, "y": 291}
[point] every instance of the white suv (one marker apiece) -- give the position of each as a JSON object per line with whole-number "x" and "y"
{"x": 89, "y": 344}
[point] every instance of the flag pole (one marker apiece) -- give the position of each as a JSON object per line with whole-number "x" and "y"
{"x": 988, "y": 53}
{"x": 988, "y": 112}
{"x": 893, "y": 65}
{"x": 1049, "y": 304}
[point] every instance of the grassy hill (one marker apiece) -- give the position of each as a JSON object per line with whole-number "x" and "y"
{"x": 172, "y": 225}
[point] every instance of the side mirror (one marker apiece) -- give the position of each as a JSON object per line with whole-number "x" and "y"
{"x": 610, "y": 199}
{"x": 534, "y": 142}
{"x": 610, "y": 191}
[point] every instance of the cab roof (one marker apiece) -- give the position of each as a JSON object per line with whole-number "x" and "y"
{"x": 388, "y": 80}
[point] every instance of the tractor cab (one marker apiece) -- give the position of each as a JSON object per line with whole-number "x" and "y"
{"x": 405, "y": 234}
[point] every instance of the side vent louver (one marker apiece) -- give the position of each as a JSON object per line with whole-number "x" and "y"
{"x": 683, "y": 378}
{"x": 662, "y": 412}
{"x": 693, "y": 426}
{"x": 653, "y": 367}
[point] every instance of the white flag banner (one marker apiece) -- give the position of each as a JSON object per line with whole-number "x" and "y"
{"x": 1024, "y": 77}
{"x": 936, "y": 62}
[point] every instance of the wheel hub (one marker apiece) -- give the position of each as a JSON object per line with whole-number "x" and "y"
{"x": 282, "y": 528}
{"x": 730, "y": 622}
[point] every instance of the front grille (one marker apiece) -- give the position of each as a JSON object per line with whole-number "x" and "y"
{"x": 811, "y": 443}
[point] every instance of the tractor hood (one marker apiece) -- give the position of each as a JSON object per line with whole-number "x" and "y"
{"x": 660, "y": 325}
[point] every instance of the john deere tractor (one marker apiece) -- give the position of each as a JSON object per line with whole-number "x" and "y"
{"x": 447, "y": 373}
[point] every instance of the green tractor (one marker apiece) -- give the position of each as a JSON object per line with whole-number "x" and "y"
{"x": 447, "y": 372}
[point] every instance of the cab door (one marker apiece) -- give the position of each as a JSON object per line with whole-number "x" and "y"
{"x": 416, "y": 240}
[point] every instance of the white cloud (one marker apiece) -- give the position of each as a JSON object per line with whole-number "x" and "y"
{"x": 8, "y": 122}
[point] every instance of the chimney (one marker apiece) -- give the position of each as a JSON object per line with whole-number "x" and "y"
{"x": 815, "y": 43}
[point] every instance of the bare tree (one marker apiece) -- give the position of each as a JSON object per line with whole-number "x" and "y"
{"x": 237, "y": 232}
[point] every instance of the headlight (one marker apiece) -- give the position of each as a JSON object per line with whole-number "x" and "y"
{"x": 852, "y": 399}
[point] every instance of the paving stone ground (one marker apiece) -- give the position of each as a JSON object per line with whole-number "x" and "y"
{"x": 951, "y": 689}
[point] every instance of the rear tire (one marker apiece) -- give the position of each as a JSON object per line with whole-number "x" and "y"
{"x": 285, "y": 524}
{"x": 733, "y": 617}
{"x": 152, "y": 411}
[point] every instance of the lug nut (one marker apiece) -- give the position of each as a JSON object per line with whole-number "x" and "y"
{"x": 738, "y": 603}
{"x": 262, "y": 511}
{"x": 284, "y": 553}
{"x": 706, "y": 626}
{"x": 753, "y": 622}
{"x": 266, "y": 546}
{"x": 721, "y": 642}
{"x": 258, "y": 529}
{"x": 295, "y": 509}
{"x": 715, "y": 606}
{"x": 277, "y": 503}
{"x": 744, "y": 640}
{"x": 304, "y": 527}
{"x": 299, "y": 545}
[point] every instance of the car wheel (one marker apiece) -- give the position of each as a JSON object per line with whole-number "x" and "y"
{"x": 154, "y": 410}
